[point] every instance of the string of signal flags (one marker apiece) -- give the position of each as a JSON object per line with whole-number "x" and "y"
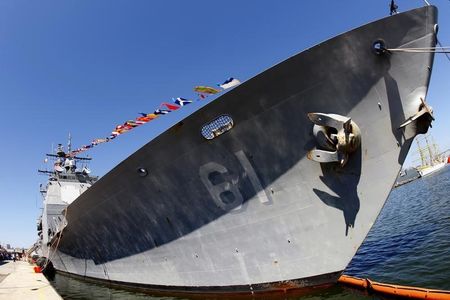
{"x": 163, "y": 109}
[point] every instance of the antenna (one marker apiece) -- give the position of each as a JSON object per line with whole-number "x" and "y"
{"x": 69, "y": 144}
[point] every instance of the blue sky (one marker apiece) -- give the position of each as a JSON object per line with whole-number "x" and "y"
{"x": 85, "y": 66}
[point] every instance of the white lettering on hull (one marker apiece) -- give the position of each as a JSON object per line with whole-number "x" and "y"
{"x": 226, "y": 194}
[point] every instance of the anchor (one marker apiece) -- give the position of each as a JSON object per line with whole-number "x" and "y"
{"x": 422, "y": 118}
{"x": 337, "y": 137}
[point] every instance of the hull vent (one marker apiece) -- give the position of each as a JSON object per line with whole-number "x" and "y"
{"x": 217, "y": 127}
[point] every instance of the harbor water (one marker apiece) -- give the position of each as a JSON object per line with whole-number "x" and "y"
{"x": 408, "y": 245}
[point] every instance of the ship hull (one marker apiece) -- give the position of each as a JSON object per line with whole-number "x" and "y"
{"x": 294, "y": 288}
{"x": 247, "y": 211}
{"x": 432, "y": 169}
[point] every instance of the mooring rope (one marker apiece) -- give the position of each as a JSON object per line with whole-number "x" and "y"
{"x": 439, "y": 43}
{"x": 440, "y": 49}
{"x": 421, "y": 50}
{"x": 57, "y": 242}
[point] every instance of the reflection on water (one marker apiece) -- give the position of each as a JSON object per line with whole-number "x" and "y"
{"x": 409, "y": 244}
{"x": 70, "y": 288}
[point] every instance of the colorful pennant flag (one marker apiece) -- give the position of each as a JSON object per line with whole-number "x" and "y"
{"x": 149, "y": 116}
{"x": 229, "y": 83}
{"x": 170, "y": 106}
{"x": 181, "y": 101}
{"x": 99, "y": 141}
{"x": 140, "y": 122}
{"x": 206, "y": 90}
{"x": 143, "y": 119}
{"x": 161, "y": 111}
{"x": 131, "y": 123}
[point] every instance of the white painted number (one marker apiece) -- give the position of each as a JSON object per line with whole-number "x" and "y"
{"x": 220, "y": 192}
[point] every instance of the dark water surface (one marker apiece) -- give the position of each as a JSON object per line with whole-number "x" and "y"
{"x": 408, "y": 245}
{"x": 410, "y": 242}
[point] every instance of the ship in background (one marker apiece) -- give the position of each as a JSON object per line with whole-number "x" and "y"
{"x": 406, "y": 176}
{"x": 430, "y": 157}
{"x": 270, "y": 188}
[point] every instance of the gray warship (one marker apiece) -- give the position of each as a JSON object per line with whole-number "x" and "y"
{"x": 270, "y": 188}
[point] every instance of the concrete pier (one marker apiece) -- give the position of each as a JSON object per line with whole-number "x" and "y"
{"x": 19, "y": 281}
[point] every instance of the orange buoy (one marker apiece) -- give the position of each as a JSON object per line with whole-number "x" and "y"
{"x": 354, "y": 281}
{"x": 37, "y": 269}
{"x": 398, "y": 291}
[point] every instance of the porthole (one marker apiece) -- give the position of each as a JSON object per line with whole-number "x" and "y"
{"x": 217, "y": 127}
{"x": 142, "y": 172}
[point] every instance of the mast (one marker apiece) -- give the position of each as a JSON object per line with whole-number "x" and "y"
{"x": 429, "y": 151}
{"x": 422, "y": 156}
{"x": 65, "y": 162}
{"x": 438, "y": 157}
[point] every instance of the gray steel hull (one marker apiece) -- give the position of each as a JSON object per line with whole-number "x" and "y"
{"x": 247, "y": 208}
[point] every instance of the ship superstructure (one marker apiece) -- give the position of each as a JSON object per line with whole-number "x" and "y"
{"x": 65, "y": 184}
